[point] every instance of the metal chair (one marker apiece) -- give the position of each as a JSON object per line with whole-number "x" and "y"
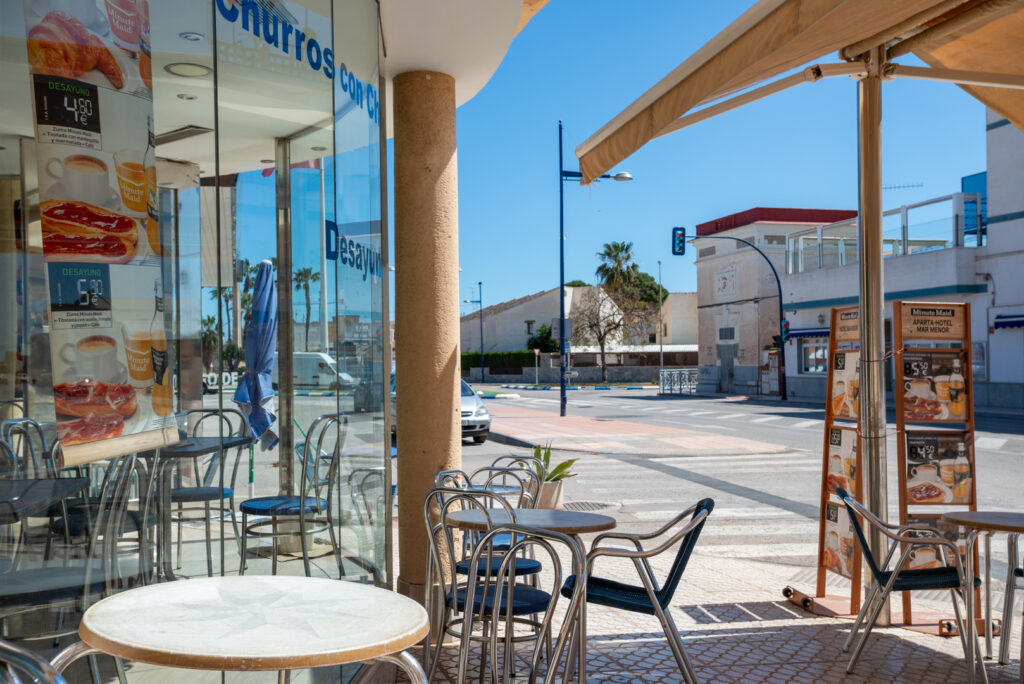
{"x": 1014, "y": 574}
{"x": 501, "y": 582}
{"x": 313, "y": 513}
{"x": 229, "y": 422}
{"x": 15, "y": 659}
{"x": 648, "y": 597}
{"x": 527, "y": 461}
{"x": 447, "y": 592}
{"x": 519, "y": 485}
{"x": 951, "y": 576}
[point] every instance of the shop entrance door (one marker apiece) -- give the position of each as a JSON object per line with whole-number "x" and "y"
{"x": 726, "y": 356}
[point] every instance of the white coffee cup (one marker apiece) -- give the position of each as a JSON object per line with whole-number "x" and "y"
{"x": 85, "y": 178}
{"x": 92, "y": 357}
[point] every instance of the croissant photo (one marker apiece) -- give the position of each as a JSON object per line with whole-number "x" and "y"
{"x": 60, "y": 45}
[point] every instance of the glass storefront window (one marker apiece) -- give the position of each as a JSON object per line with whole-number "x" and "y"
{"x": 140, "y": 190}
{"x": 813, "y": 354}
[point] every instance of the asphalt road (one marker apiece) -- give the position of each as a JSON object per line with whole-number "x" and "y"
{"x": 767, "y": 505}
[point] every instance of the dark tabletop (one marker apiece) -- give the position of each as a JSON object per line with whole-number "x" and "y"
{"x": 994, "y": 521}
{"x": 200, "y": 446}
{"x": 568, "y": 522}
{"x": 20, "y": 499}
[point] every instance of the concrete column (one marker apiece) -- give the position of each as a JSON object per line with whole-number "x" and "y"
{"x": 426, "y": 304}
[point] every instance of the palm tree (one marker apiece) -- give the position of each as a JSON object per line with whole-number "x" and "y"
{"x": 208, "y": 340}
{"x": 223, "y": 296}
{"x": 616, "y": 269}
{"x": 302, "y": 279}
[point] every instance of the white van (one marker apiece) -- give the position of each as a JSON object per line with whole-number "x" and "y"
{"x": 314, "y": 370}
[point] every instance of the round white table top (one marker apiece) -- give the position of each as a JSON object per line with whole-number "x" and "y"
{"x": 254, "y": 623}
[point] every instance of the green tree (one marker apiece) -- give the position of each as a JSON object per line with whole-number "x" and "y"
{"x": 542, "y": 340}
{"x": 577, "y": 283}
{"x": 617, "y": 269}
{"x": 223, "y": 295}
{"x": 645, "y": 288}
{"x": 209, "y": 339}
{"x": 302, "y": 278}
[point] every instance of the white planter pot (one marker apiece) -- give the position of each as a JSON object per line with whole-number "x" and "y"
{"x": 550, "y": 495}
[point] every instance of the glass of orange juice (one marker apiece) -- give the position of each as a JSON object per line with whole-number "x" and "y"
{"x": 131, "y": 180}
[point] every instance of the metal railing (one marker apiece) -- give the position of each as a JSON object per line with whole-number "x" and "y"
{"x": 677, "y": 381}
{"x": 957, "y": 224}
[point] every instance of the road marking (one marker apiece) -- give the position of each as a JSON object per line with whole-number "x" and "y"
{"x": 745, "y": 458}
{"x": 764, "y": 419}
{"x": 703, "y": 413}
{"x": 806, "y": 424}
{"x": 989, "y": 443}
{"x": 728, "y": 416}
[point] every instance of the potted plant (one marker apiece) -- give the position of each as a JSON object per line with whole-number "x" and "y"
{"x": 554, "y": 477}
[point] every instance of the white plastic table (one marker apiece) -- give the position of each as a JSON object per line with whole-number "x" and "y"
{"x": 254, "y": 623}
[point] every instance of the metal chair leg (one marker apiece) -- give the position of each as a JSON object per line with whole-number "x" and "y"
{"x": 234, "y": 523}
{"x": 1011, "y": 586}
{"x": 959, "y": 622}
{"x": 876, "y": 609}
{"x": 864, "y": 609}
{"x": 242, "y": 541}
{"x": 273, "y": 549}
{"x": 209, "y": 546}
{"x": 675, "y": 642}
{"x": 180, "y": 510}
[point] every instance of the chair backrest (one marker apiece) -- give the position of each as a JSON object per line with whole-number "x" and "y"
{"x": 855, "y": 510}
{"x": 518, "y": 485}
{"x": 452, "y": 479}
{"x": 8, "y": 461}
{"x": 527, "y": 461}
{"x": 15, "y": 659}
{"x": 701, "y": 510}
{"x": 228, "y": 422}
{"x": 543, "y": 545}
{"x": 25, "y": 435}
{"x": 320, "y": 454}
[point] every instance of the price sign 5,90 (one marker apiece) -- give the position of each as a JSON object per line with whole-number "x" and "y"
{"x": 917, "y": 367}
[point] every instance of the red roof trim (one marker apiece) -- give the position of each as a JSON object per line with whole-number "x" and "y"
{"x": 774, "y": 215}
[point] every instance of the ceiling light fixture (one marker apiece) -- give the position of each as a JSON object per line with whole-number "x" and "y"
{"x": 187, "y": 69}
{"x": 187, "y": 96}
{"x": 318, "y": 148}
{"x": 266, "y": 161}
{"x": 191, "y": 36}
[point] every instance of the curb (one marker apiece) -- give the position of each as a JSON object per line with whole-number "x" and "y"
{"x": 537, "y": 388}
{"x": 502, "y": 395}
{"x": 509, "y": 440}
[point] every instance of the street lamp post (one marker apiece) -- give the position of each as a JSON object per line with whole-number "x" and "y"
{"x": 480, "y": 304}
{"x": 661, "y": 326}
{"x": 563, "y": 176}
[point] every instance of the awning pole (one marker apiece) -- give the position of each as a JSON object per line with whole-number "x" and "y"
{"x": 872, "y": 302}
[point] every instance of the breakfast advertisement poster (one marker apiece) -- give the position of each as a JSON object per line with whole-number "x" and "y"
{"x": 837, "y": 555}
{"x": 934, "y": 386}
{"x": 91, "y": 88}
{"x": 940, "y": 468}
{"x": 842, "y": 460}
{"x": 922, "y": 558}
{"x": 845, "y": 391}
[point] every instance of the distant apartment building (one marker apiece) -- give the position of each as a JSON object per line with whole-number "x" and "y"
{"x": 966, "y": 246}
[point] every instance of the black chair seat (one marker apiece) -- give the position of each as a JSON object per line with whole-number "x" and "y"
{"x": 200, "y": 494}
{"x": 133, "y": 521}
{"x": 606, "y": 592}
{"x": 925, "y": 579}
{"x": 282, "y": 505}
{"x": 525, "y": 600}
{"x": 50, "y": 584}
{"x": 1018, "y": 572}
{"x": 524, "y": 566}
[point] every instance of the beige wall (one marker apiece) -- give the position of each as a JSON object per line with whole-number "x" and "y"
{"x": 679, "y": 318}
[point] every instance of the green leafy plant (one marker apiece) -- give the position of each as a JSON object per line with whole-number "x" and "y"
{"x": 559, "y": 472}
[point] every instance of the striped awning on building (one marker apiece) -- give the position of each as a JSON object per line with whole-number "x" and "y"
{"x": 1009, "y": 321}
{"x": 809, "y": 332}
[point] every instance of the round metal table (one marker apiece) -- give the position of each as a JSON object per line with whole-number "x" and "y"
{"x": 568, "y": 522}
{"x": 254, "y": 623}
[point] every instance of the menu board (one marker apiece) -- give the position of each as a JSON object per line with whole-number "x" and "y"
{"x": 923, "y": 558}
{"x": 91, "y": 89}
{"x": 845, "y": 385}
{"x": 934, "y": 386}
{"x": 842, "y": 459}
{"x": 939, "y": 468}
{"x": 838, "y": 556}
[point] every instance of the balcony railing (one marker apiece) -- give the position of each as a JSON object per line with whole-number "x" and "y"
{"x": 940, "y": 223}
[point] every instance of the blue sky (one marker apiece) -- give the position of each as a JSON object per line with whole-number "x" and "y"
{"x": 583, "y": 62}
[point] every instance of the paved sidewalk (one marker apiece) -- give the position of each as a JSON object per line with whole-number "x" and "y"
{"x": 736, "y": 627}
{"x": 522, "y": 426}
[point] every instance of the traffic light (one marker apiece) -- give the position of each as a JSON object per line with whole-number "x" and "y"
{"x": 678, "y": 241}
{"x": 785, "y": 331}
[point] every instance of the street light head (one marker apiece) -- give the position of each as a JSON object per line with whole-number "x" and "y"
{"x": 622, "y": 176}
{"x": 466, "y": 301}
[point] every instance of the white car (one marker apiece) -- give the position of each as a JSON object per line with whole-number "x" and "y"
{"x": 476, "y": 420}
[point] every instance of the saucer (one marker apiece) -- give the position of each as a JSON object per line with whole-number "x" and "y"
{"x": 112, "y": 201}
{"x": 120, "y": 378}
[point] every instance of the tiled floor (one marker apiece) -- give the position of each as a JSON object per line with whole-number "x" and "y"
{"x": 737, "y": 627}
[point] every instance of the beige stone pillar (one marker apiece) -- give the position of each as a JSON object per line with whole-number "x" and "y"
{"x": 426, "y": 304}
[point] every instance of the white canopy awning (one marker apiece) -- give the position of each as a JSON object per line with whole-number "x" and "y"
{"x": 775, "y": 36}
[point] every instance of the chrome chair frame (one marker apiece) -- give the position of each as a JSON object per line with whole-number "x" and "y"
{"x": 528, "y": 461}
{"x": 310, "y": 482}
{"x": 878, "y": 595}
{"x": 37, "y": 668}
{"x": 503, "y": 584}
{"x": 639, "y": 555}
{"x": 1013, "y": 567}
{"x": 519, "y": 482}
{"x": 214, "y": 465}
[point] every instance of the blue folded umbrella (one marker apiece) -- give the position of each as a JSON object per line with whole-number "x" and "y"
{"x": 255, "y": 393}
